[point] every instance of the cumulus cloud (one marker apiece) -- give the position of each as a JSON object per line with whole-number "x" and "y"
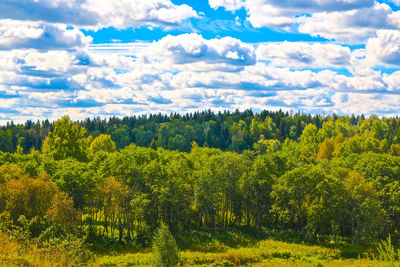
{"x": 186, "y": 73}
{"x": 392, "y": 81}
{"x": 292, "y": 6}
{"x": 351, "y": 26}
{"x": 343, "y": 20}
{"x": 297, "y": 55}
{"x": 353, "y": 103}
{"x": 97, "y": 13}
{"x": 230, "y": 5}
{"x": 193, "y": 48}
{"x": 32, "y": 70}
{"x": 384, "y": 48}
{"x": 283, "y": 13}
{"x": 51, "y": 63}
{"x": 396, "y": 2}
{"x": 22, "y": 34}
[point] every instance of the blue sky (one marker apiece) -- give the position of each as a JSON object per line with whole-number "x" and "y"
{"x": 89, "y": 58}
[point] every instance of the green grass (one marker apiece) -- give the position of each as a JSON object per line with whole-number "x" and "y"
{"x": 218, "y": 249}
{"x": 263, "y": 253}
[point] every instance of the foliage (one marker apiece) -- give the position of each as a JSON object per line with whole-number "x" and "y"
{"x": 386, "y": 251}
{"x": 19, "y": 246}
{"x": 63, "y": 213}
{"x": 102, "y": 143}
{"x": 26, "y": 196}
{"x": 66, "y": 140}
{"x": 165, "y": 250}
{"x": 319, "y": 177}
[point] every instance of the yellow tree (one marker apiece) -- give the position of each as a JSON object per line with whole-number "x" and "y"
{"x": 62, "y": 212}
{"x": 114, "y": 200}
{"x": 326, "y": 149}
{"x": 28, "y": 196}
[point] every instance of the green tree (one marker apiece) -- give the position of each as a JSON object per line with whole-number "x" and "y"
{"x": 309, "y": 141}
{"x": 67, "y": 140}
{"x": 103, "y": 143}
{"x": 75, "y": 179}
{"x": 256, "y": 190}
{"x": 266, "y": 146}
{"x": 367, "y": 216}
{"x": 121, "y": 137}
{"x": 165, "y": 249}
{"x": 6, "y": 141}
{"x": 307, "y": 198}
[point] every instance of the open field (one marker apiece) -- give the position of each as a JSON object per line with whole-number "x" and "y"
{"x": 201, "y": 249}
{"x": 264, "y": 253}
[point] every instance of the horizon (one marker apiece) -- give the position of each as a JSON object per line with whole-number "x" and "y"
{"x": 89, "y": 59}
{"x": 290, "y": 113}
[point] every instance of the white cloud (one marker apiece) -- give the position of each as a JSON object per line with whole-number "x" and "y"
{"x": 353, "y": 21}
{"x": 396, "y": 2}
{"x": 193, "y": 48}
{"x": 230, "y": 5}
{"x": 128, "y": 13}
{"x": 97, "y": 13}
{"x": 352, "y": 26}
{"x": 186, "y": 73}
{"x": 353, "y": 103}
{"x": 293, "y": 6}
{"x": 299, "y": 55}
{"x": 385, "y": 48}
{"x": 283, "y": 13}
{"x": 22, "y": 34}
{"x": 392, "y": 81}
{"x": 50, "y": 62}
{"x": 48, "y": 69}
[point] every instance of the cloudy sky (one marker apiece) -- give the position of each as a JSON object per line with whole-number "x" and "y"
{"x": 89, "y": 58}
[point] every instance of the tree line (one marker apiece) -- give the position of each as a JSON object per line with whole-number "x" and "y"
{"x": 221, "y": 130}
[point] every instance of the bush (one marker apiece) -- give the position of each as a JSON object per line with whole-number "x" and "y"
{"x": 386, "y": 252}
{"x": 165, "y": 249}
{"x": 67, "y": 251}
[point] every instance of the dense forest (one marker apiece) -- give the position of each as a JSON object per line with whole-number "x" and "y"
{"x": 117, "y": 180}
{"x": 227, "y": 131}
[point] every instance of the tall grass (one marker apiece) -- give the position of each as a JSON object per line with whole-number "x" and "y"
{"x": 264, "y": 251}
{"x": 386, "y": 253}
{"x": 54, "y": 253}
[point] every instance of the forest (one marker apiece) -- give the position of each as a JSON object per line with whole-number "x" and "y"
{"x": 73, "y": 190}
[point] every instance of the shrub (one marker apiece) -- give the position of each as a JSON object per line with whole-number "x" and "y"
{"x": 165, "y": 249}
{"x": 386, "y": 252}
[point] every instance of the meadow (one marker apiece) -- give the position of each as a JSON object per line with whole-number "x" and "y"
{"x": 232, "y": 249}
{"x": 221, "y": 251}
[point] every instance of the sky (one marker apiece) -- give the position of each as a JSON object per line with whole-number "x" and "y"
{"x": 90, "y": 58}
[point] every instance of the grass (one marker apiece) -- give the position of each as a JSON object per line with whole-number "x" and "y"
{"x": 13, "y": 253}
{"x": 27, "y": 253}
{"x": 218, "y": 249}
{"x": 264, "y": 253}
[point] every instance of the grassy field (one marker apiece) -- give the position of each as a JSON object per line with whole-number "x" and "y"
{"x": 225, "y": 249}
{"x": 264, "y": 253}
